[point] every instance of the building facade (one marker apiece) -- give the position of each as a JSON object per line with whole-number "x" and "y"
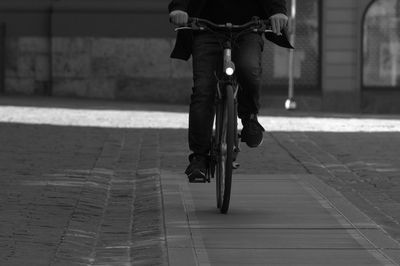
{"x": 346, "y": 60}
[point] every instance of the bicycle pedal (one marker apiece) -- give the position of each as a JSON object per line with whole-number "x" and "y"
{"x": 235, "y": 165}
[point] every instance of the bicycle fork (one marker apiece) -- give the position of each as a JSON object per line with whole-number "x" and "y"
{"x": 221, "y": 86}
{"x": 230, "y": 79}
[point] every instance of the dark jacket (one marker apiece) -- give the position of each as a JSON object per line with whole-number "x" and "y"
{"x": 183, "y": 45}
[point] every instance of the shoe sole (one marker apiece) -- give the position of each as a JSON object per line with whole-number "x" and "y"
{"x": 254, "y": 146}
{"x": 197, "y": 177}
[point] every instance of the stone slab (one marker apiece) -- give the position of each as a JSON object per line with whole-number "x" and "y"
{"x": 305, "y": 257}
{"x": 273, "y": 219}
{"x": 219, "y": 238}
{"x": 182, "y": 256}
{"x": 268, "y": 203}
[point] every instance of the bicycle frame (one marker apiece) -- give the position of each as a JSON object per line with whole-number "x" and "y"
{"x": 229, "y": 78}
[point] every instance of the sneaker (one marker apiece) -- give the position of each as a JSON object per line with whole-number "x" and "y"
{"x": 197, "y": 169}
{"x": 252, "y": 132}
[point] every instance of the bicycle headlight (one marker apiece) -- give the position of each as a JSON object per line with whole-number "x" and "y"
{"x": 229, "y": 71}
{"x": 229, "y": 68}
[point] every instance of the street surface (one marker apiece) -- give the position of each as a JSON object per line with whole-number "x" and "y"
{"x": 101, "y": 183}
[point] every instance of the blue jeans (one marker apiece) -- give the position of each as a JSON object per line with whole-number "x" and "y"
{"x": 207, "y": 60}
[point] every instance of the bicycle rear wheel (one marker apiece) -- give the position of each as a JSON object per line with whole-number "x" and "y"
{"x": 225, "y": 129}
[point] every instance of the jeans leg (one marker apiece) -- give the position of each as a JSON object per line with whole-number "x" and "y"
{"x": 248, "y": 60}
{"x": 206, "y": 57}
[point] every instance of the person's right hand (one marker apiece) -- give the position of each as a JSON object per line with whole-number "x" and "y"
{"x": 179, "y": 17}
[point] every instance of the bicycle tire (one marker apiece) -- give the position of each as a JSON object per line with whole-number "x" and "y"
{"x": 226, "y": 136}
{"x": 219, "y": 170}
{"x": 216, "y": 150}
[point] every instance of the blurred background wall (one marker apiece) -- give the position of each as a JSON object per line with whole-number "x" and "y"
{"x": 93, "y": 48}
{"x": 119, "y": 49}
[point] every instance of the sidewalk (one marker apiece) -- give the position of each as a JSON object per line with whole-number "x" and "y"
{"x": 274, "y": 220}
{"x": 281, "y": 213}
{"x": 114, "y": 193}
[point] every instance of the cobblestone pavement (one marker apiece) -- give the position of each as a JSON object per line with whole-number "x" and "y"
{"x": 79, "y": 196}
{"x": 80, "y": 180}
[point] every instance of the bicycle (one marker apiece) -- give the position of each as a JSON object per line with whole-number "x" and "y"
{"x": 225, "y": 138}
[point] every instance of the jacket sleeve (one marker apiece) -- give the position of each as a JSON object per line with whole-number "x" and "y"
{"x": 178, "y": 5}
{"x": 274, "y": 6}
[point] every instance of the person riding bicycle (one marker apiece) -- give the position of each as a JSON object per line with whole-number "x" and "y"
{"x": 205, "y": 49}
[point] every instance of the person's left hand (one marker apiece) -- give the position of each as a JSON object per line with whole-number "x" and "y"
{"x": 278, "y": 22}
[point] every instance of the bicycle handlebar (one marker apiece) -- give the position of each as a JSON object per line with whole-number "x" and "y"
{"x": 256, "y": 25}
{"x": 202, "y": 24}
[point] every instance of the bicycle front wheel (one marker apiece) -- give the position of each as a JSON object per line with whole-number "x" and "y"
{"x": 225, "y": 129}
